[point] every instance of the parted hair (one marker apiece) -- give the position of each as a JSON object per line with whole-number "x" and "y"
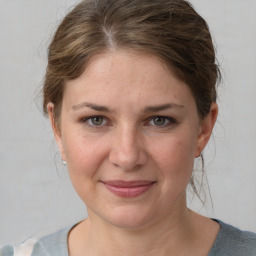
{"x": 170, "y": 29}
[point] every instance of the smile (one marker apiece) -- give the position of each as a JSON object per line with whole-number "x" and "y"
{"x": 128, "y": 188}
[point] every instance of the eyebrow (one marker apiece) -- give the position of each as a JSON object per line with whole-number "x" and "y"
{"x": 92, "y": 106}
{"x": 162, "y": 107}
{"x": 101, "y": 108}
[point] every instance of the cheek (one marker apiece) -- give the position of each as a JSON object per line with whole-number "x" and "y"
{"x": 84, "y": 157}
{"x": 84, "y": 154}
{"x": 176, "y": 158}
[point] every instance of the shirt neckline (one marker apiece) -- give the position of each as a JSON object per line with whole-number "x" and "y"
{"x": 66, "y": 231}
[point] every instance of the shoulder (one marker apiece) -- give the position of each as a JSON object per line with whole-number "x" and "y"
{"x": 233, "y": 241}
{"x": 53, "y": 244}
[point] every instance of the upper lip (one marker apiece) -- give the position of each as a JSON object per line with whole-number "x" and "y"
{"x": 128, "y": 184}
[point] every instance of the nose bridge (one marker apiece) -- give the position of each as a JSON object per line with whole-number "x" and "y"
{"x": 127, "y": 150}
{"x": 127, "y": 137}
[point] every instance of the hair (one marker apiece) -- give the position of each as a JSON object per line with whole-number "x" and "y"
{"x": 170, "y": 29}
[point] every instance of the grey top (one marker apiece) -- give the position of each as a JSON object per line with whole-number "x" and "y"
{"x": 230, "y": 241}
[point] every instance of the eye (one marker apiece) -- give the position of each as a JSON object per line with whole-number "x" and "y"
{"x": 95, "y": 121}
{"x": 159, "y": 120}
{"x": 162, "y": 121}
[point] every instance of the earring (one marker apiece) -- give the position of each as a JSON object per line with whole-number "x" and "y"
{"x": 64, "y": 162}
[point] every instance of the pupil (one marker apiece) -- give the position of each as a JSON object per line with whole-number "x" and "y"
{"x": 159, "y": 121}
{"x": 97, "y": 120}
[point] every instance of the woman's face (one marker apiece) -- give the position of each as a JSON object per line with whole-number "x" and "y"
{"x": 130, "y": 132}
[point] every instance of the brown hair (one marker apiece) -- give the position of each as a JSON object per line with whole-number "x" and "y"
{"x": 169, "y": 29}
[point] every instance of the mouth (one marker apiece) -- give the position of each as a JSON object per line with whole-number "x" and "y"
{"x": 128, "y": 188}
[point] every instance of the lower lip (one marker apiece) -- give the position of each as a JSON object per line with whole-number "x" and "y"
{"x": 129, "y": 191}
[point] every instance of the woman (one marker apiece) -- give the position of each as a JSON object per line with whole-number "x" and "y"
{"x": 130, "y": 91}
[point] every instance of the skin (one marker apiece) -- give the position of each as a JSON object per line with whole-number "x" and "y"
{"x": 146, "y": 128}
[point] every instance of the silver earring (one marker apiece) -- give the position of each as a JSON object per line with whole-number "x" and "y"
{"x": 64, "y": 162}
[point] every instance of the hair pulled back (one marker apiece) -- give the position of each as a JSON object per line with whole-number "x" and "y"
{"x": 169, "y": 29}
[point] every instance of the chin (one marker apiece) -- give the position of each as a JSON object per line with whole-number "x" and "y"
{"x": 129, "y": 217}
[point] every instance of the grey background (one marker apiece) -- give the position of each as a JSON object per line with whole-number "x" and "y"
{"x": 35, "y": 192}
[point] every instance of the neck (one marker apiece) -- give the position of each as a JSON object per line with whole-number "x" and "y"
{"x": 164, "y": 237}
{"x": 156, "y": 239}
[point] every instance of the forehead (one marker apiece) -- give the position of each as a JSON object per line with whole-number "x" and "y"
{"x": 125, "y": 75}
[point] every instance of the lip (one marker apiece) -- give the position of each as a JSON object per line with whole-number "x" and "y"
{"x": 128, "y": 188}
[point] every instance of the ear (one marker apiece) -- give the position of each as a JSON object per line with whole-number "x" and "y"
{"x": 206, "y": 127}
{"x": 56, "y": 129}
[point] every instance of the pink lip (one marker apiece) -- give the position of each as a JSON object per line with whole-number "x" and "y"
{"x": 128, "y": 188}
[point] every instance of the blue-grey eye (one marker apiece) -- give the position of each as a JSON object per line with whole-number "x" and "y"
{"x": 159, "y": 121}
{"x": 97, "y": 121}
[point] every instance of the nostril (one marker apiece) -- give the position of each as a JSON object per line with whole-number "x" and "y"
{"x": 128, "y": 160}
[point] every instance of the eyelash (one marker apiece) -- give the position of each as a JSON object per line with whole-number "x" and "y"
{"x": 89, "y": 118}
{"x": 170, "y": 121}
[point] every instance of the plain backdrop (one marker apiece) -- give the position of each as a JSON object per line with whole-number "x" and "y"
{"x": 35, "y": 192}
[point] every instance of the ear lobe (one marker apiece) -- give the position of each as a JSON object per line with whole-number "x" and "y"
{"x": 55, "y": 128}
{"x": 206, "y": 128}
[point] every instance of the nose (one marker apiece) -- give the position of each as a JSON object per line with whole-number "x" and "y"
{"x": 128, "y": 151}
